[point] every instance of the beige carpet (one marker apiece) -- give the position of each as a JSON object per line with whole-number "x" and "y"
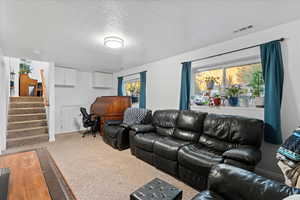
{"x": 95, "y": 171}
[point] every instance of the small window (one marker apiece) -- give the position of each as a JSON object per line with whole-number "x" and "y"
{"x": 244, "y": 83}
{"x": 132, "y": 88}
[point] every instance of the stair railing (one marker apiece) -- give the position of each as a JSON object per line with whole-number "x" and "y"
{"x": 46, "y": 103}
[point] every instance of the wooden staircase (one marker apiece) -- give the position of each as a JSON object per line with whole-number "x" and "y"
{"x": 27, "y": 122}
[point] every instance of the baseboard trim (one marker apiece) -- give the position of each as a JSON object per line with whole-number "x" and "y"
{"x": 269, "y": 174}
{"x": 70, "y": 132}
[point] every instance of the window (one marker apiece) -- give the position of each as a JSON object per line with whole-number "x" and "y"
{"x": 234, "y": 85}
{"x": 132, "y": 88}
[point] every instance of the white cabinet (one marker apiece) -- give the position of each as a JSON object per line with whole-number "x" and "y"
{"x": 70, "y": 77}
{"x": 102, "y": 80}
{"x": 65, "y": 76}
{"x": 59, "y": 76}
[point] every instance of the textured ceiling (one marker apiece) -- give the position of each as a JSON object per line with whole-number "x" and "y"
{"x": 70, "y": 32}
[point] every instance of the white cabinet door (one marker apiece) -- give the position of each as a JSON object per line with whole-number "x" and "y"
{"x": 65, "y": 76}
{"x": 102, "y": 80}
{"x": 70, "y": 77}
{"x": 59, "y": 76}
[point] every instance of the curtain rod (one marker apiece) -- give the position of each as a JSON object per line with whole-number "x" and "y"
{"x": 228, "y": 52}
{"x": 132, "y": 74}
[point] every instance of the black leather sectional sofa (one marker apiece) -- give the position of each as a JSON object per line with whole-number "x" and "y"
{"x": 229, "y": 182}
{"x": 186, "y": 144}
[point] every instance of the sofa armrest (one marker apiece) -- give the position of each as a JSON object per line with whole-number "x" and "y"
{"x": 245, "y": 154}
{"x": 124, "y": 125}
{"x": 236, "y": 183}
{"x": 239, "y": 164}
{"x": 113, "y": 122}
{"x": 142, "y": 128}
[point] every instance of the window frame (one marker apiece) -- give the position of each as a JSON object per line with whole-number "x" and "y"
{"x": 222, "y": 65}
{"x": 131, "y": 78}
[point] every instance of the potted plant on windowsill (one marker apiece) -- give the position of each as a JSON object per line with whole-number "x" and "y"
{"x": 217, "y": 100}
{"x": 25, "y": 67}
{"x": 256, "y": 85}
{"x": 133, "y": 89}
{"x": 210, "y": 82}
{"x": 233, "y": 93}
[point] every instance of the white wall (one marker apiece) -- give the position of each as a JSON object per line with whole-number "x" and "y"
{"x": 68, "y": 100}
{"x": 4, "y": 90}
{"x": 163, "y": 79}
{"x": 14, "y": 65}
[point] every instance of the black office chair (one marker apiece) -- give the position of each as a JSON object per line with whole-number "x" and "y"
{"x": 89, "y": 123}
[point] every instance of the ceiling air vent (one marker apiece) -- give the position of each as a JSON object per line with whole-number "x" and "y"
{"x": 243, "y": 29}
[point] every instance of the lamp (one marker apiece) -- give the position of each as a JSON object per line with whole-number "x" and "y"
{"x": 113, "y": 42}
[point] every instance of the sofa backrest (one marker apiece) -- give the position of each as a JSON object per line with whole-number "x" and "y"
{"x": 165, "y": 121}
{"x": 224, "y": 132}
{"x": 189, "y": 125}
{"x": 238, "y": 184}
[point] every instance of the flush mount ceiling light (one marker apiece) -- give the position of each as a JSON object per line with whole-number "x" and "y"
{"x": 113, "y": 42}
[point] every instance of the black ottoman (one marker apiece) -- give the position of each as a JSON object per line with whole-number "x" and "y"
{"x": 157, "y": 190}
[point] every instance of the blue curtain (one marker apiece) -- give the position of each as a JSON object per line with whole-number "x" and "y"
{"x": 273, "y": 74}
{"x": 185, "y": 86}
{"x": 143, "y": 89}
{"x": 120, "y": 86}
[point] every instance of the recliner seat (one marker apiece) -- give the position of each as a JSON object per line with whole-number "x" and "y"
{"x": 163, "y": 126}
{"x": 186, "y": 144}
{"x": 187, "y": 131}
{"x": 225, "y": 139}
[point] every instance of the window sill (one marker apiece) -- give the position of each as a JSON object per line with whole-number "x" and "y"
{"x": 195, "y": 107}
{"x": 251, "y": 112}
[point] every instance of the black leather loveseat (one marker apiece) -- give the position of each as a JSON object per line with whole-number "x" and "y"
{"x": 186, "y": 144}
{"x": 228, "y": 182}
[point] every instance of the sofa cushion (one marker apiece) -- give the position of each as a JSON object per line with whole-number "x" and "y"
{"x": 168, "y": 147}
{"x": 165, "y": 121}
{"x": 146, "y": 140}
{"x": 199, "y": 158}
{"x": 234, "y": 129}
{"x": 189, "y": 125}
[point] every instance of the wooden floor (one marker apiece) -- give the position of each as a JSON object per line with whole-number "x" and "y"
{"x": 26, "y": 179}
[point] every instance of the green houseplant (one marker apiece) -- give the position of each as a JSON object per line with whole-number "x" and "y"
{"x": 256, "y": 85}
{"x": 25, "y": 67}
{"x": 210, "y": 82}
{"x": 233, "y": 93}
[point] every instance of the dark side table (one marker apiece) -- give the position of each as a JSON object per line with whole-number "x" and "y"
{"x": 157, "y": 190}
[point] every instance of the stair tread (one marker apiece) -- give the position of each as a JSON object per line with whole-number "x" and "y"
{"x": 27, "y": 97}
{"x": 28, "y": 114}
{"x": 26, "y": 102}
{"x": 26, "y": 137}
{"x": 27, "y": 129}
{"x": 26, "y": 108}
{"x": 28, "y": 121}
